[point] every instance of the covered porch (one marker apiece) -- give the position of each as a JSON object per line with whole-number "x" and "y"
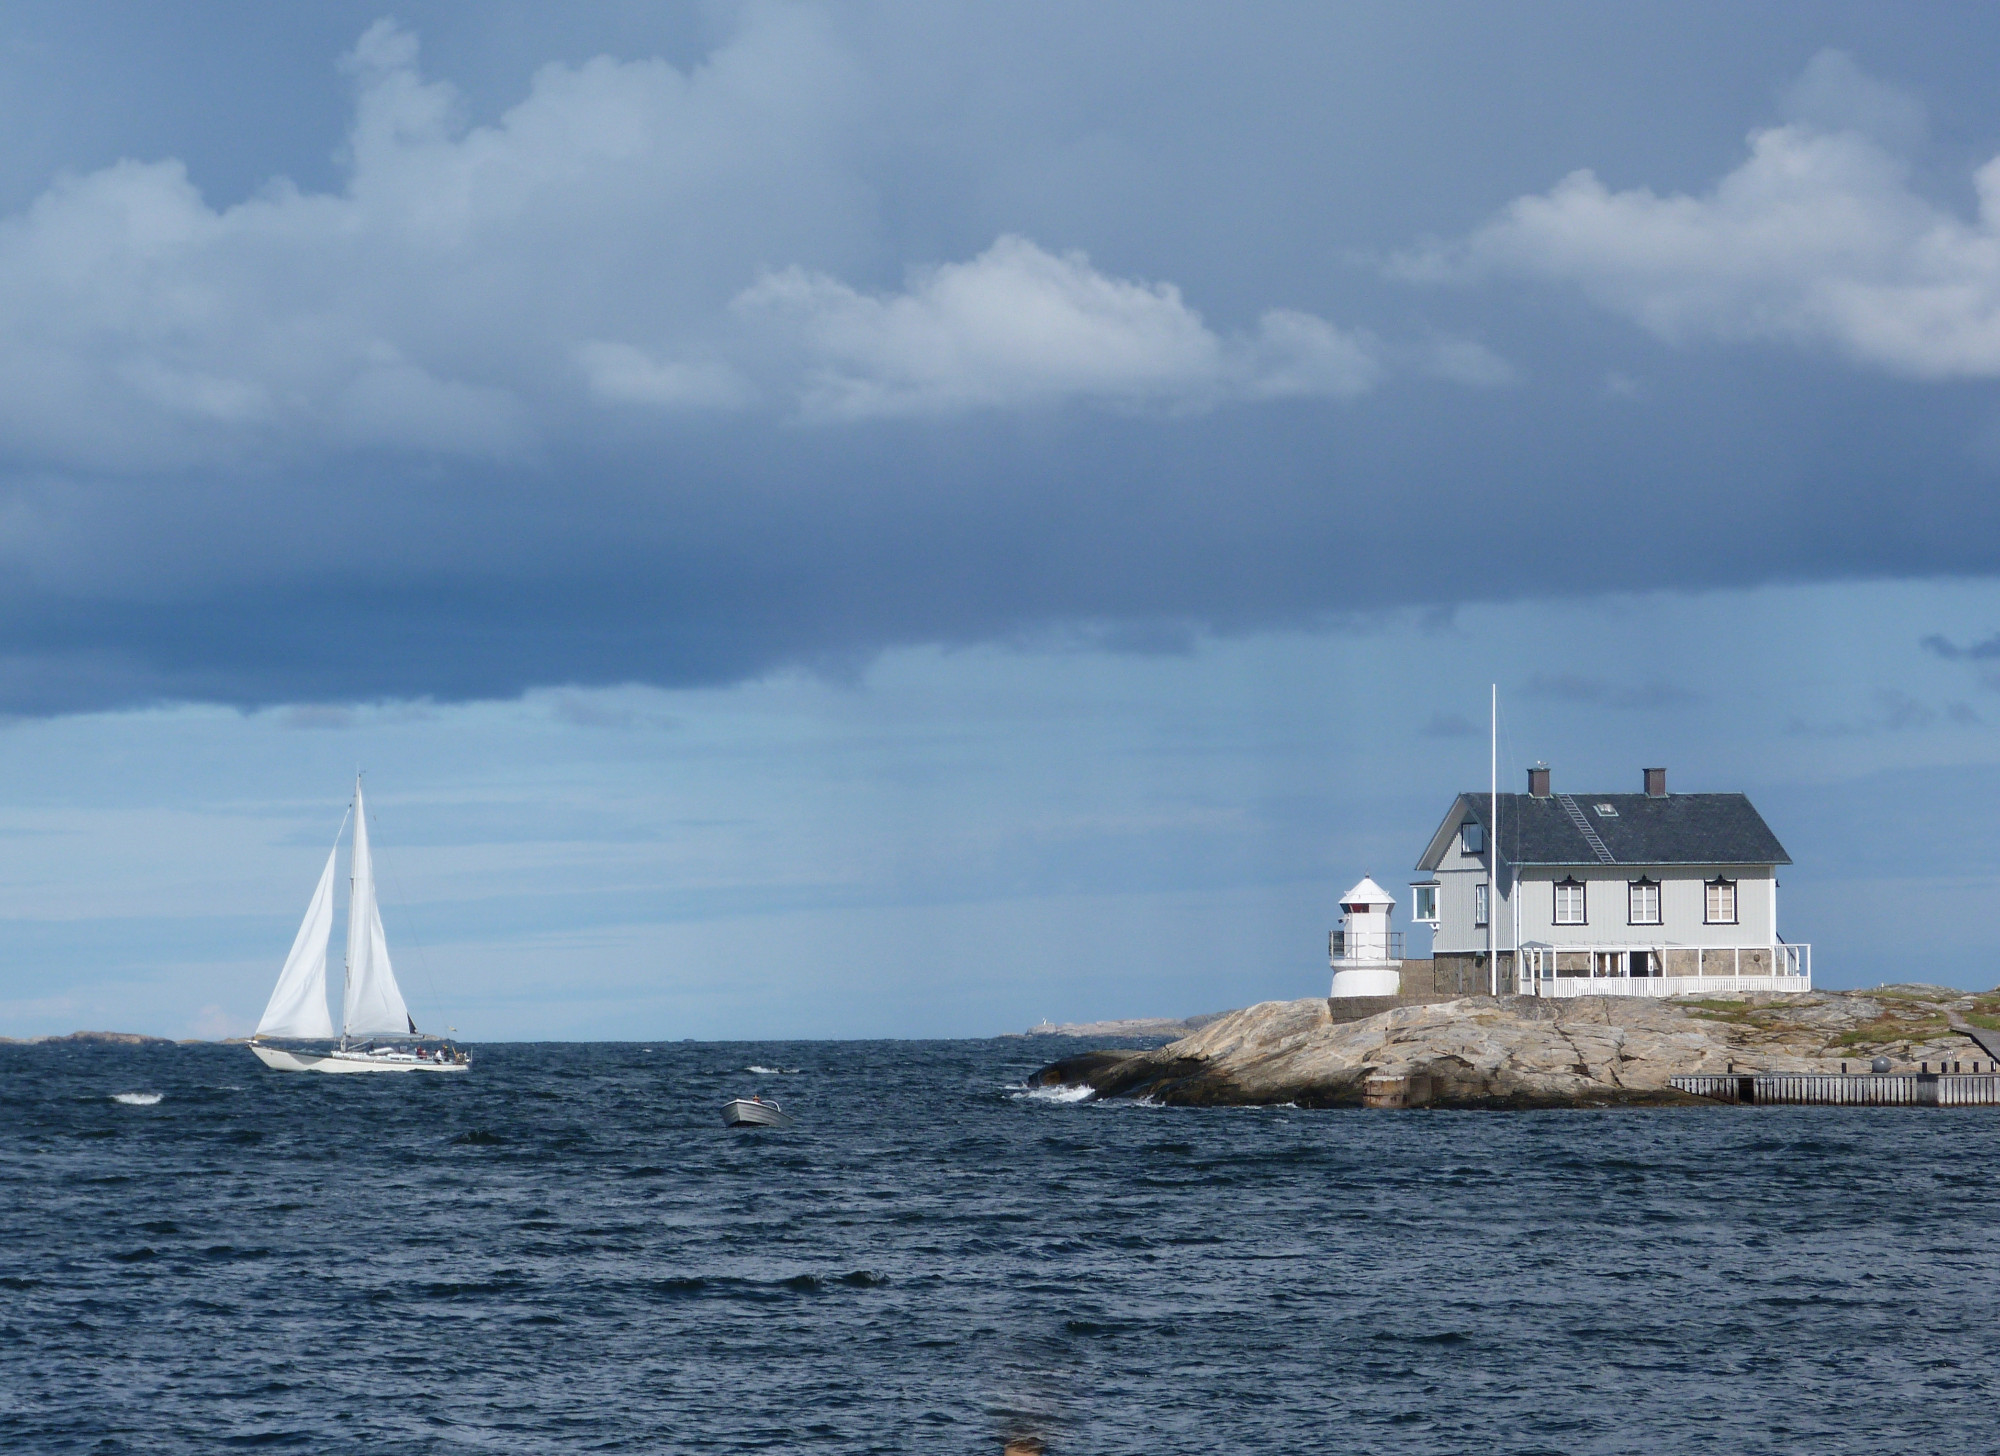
{"x": 1661, "y": 970}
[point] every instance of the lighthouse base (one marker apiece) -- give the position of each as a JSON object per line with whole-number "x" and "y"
{"x": 1367, "y": 978}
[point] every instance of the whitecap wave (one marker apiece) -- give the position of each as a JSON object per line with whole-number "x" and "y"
{"x": 1055, "y": 1094}
{"x": 136, "y": 1099}
{"x": 772, "y": 1071}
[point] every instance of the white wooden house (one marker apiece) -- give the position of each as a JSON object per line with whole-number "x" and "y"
{"x": 1649, "y": 894}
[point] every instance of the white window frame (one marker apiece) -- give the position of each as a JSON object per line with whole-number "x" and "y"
{"x": 1708, "y": 894}
{"x": 1632, "y": 890}
{"x": 1419, "y": 894}
{"x": 1479, "y": 901}
{"x": 1582, "y": 917}
{"x": 1472, "y": 837}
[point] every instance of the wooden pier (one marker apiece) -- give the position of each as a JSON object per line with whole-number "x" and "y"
{"x": 1838, "y": 1089}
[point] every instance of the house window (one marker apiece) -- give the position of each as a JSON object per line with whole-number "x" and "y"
{"x": 1479, "y": 905}
{"x": 1473, "y": 837}
{"x": 1643, "y": 902}
{"x": 1607, "y": 811}
{"x": 1721, "y": 902}
{"x": 1569, "y": 902}
{"x": 1424, "y": 904}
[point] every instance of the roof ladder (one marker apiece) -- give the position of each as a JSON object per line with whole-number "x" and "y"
{"x": 1604, "y": 856}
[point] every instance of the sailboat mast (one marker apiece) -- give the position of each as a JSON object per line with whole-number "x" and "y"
{"x": 347, "y": 951}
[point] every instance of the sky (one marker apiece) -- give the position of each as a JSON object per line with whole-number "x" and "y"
{"x": 907, "y": 520}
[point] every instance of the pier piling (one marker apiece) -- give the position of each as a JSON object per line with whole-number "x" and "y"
{"x": 1844, "y": 1089}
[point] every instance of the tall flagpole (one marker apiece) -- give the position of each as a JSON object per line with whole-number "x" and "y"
{"x": 1493, "y": 856}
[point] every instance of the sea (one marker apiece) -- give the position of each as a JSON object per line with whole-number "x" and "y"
{"x": 565, "y": 1251}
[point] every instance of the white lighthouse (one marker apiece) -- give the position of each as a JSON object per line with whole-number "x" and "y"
{"x": 1367, "y": 955}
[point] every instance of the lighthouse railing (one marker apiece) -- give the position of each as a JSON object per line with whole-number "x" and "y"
{"x": 1365, "y": 945}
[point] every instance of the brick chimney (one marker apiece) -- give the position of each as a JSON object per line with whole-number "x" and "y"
{"x": 1656, "y": 783}
{"x": 1538, "y": 781}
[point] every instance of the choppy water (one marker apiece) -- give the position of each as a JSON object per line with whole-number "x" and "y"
{"x": 566, "y": 1252}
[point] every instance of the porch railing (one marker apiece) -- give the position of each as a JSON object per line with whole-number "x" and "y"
{"x": 1661, "y": 970}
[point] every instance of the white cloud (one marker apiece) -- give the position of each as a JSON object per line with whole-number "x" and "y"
{"x": 1019, "y": 326}
{"x": 442, "y": 300}
{"x": 1299, "y": 354}
{"x": 622, "y": 374}
{"x": 1468, "y": 362}
{"x": 629, "y": 235}
{"x": 1817, "y": 238}
{"x": 1834, "y": 94}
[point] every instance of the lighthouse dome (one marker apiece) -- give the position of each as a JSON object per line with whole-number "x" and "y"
{"x": 1365, "y": 897}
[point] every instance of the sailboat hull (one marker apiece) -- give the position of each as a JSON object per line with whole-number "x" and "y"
{"x": 280, "y": 1059}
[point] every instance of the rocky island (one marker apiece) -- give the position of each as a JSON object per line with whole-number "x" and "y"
{"x": 1525, "y": 1051}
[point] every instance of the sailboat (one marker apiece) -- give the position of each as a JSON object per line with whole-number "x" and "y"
{"x": 373, "y": 1002}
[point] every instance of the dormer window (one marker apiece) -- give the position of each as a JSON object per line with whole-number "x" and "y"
{"x": 1472, "y": 836}
{"x": 1719, "y": 902}
{"x": 1643, "y": 901}
{"x": 1569, "y": 902}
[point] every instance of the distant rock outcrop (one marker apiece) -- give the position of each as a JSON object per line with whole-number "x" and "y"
{"x": 1131, "y": 1026}
{"x": 119, "y": 1038}
{"x": 1523, "y": 1051}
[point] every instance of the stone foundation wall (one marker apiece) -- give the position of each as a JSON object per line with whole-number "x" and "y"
{"x": 1360, "y": 1008}
{"x": 1452, "y": 976}
{"x": 1427, "y": 982}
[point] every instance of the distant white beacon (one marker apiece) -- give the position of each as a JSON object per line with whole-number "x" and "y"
{"x": 1367, "y": 961}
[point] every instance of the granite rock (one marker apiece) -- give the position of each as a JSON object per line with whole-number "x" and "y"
{"x": 1523, "y": 1051}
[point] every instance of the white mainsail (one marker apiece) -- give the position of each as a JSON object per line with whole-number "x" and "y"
{"x": 298, "y": 1002}
{"x": 374, "y": 1002}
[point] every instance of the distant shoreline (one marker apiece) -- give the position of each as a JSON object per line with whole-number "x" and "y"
{"x": 115, "y": 1038}
{"x": 1130, "y": 1026}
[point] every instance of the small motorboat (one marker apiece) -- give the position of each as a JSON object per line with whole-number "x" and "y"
{"x": 755, "y": 1112}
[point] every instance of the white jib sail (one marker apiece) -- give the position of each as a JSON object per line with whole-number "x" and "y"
{"x": 298, "y": 1001}
{"x": 374, "y": 1002}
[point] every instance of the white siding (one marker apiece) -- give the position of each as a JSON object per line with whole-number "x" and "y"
{"x": 1681, "y": 906}
{"x": 1459, "y": 875}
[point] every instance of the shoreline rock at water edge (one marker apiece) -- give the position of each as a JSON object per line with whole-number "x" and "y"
{"x": 1525, "y": 1051}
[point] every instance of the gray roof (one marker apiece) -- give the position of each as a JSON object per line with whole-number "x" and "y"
{"x": 1674, "y": 829}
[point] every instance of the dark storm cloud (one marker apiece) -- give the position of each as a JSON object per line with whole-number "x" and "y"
{"x": 1449, "y": 725}
{"x": 1895, "y": 711}
{"x": 816, "y": 337}
{"x": 1951, "y": 651}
